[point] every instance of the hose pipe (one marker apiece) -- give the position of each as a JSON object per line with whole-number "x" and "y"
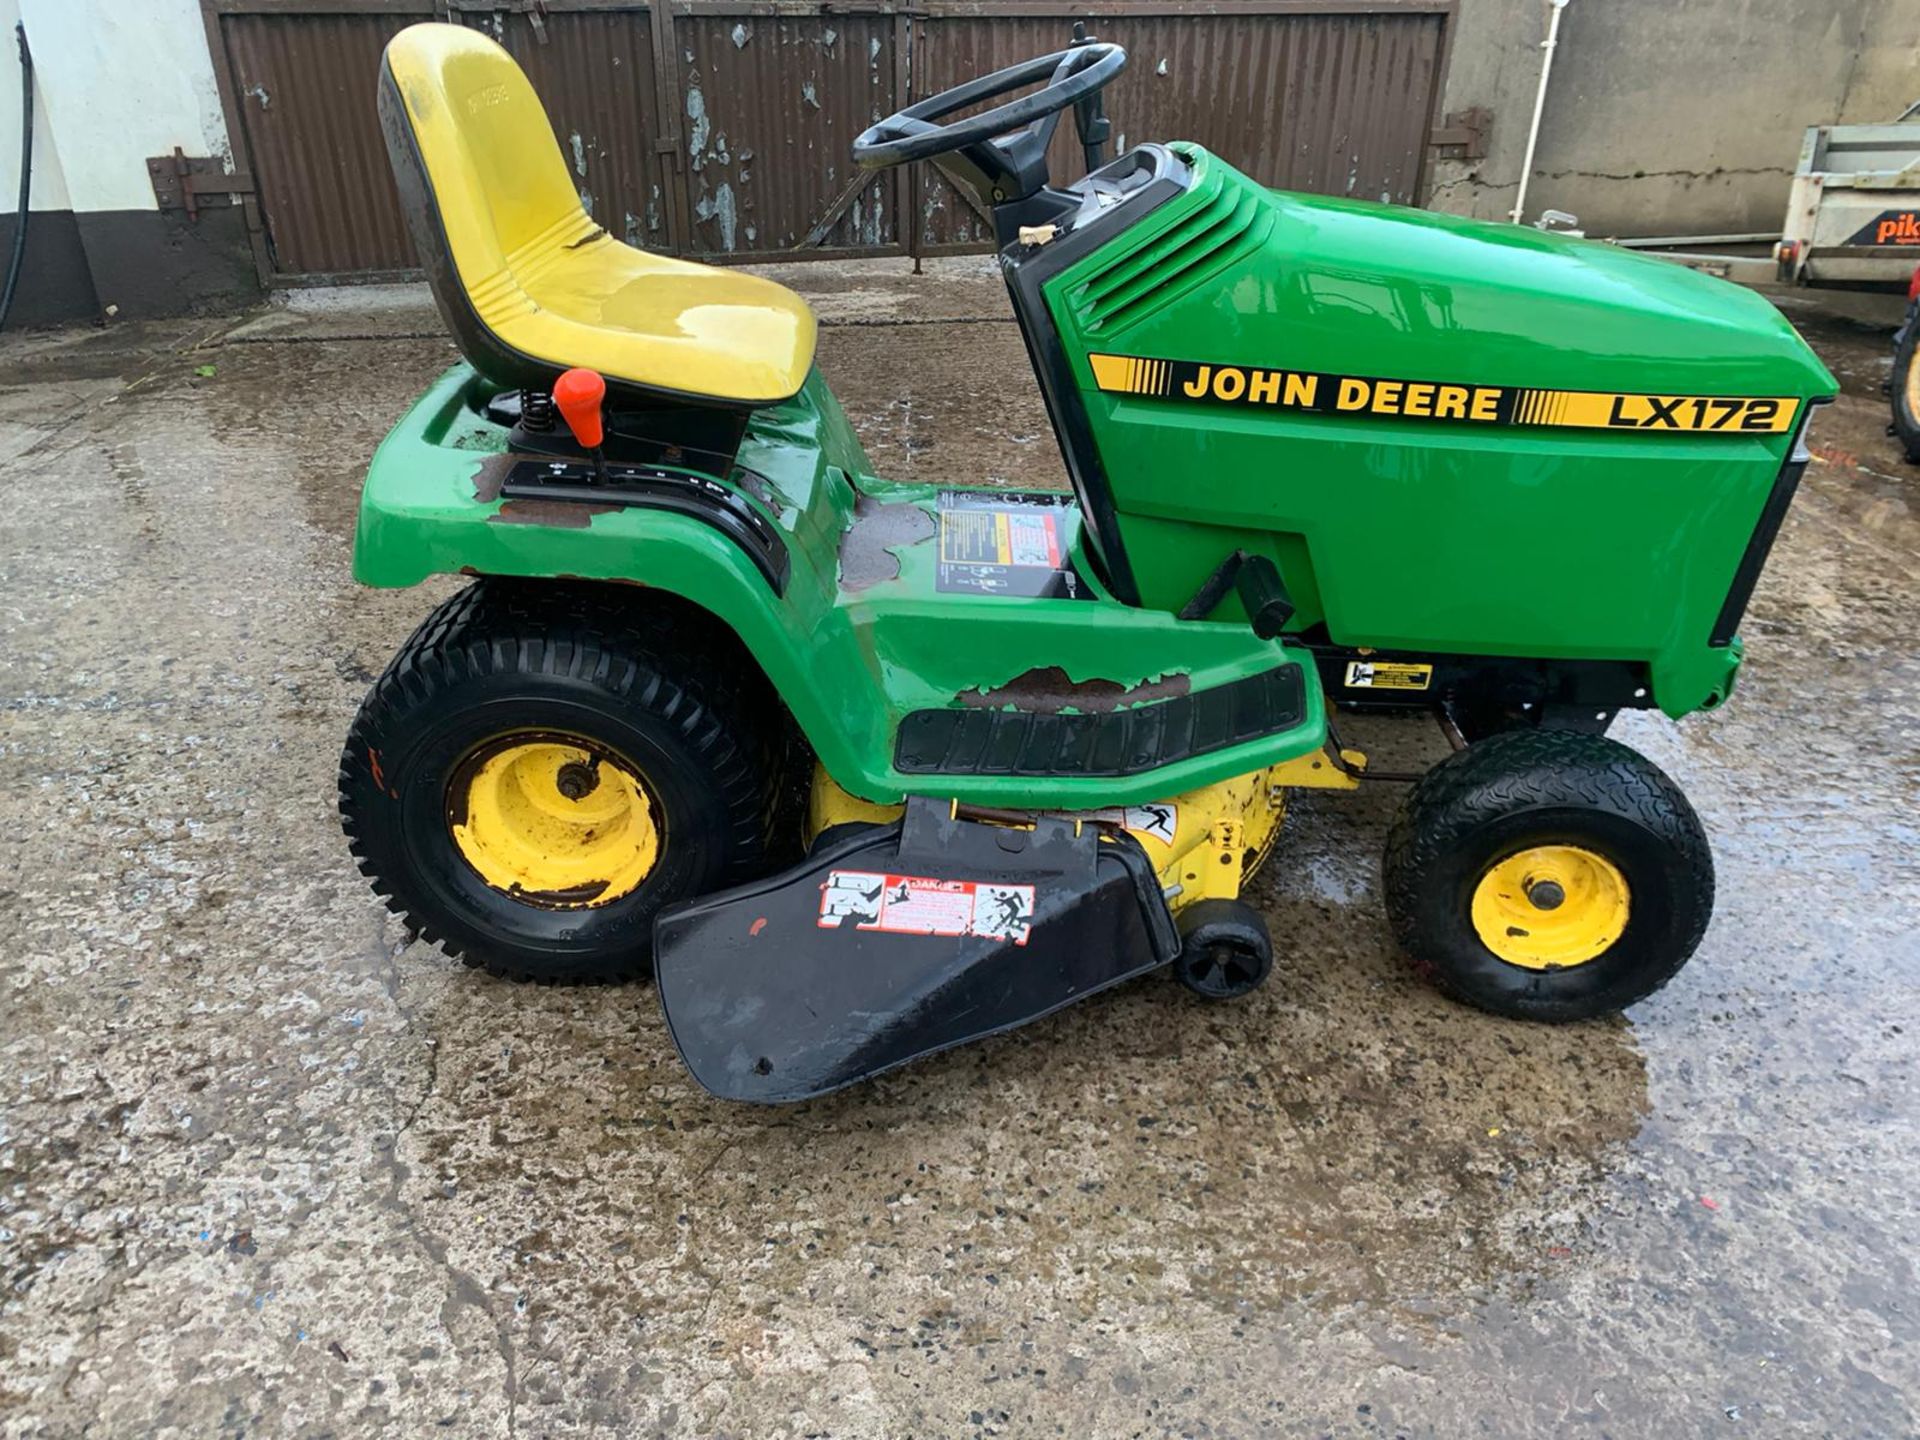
{"x": 26, "y": 175}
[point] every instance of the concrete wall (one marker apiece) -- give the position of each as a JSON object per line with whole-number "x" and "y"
{"x": 1669, "y": 117}
{"x": 116, "y": 81}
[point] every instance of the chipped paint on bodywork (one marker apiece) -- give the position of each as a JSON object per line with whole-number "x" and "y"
{"x": 1048, "y": 690}
{"x": 869, "y": 550}
{"x": 491, "y": 475}
{"x": 559, "y": 514}
{"x": 752, "y": 482}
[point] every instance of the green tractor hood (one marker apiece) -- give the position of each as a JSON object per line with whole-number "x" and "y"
{"x": 1452, "y": 437}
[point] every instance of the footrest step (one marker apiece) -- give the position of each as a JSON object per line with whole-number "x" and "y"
{"x": 1121, "y": 742}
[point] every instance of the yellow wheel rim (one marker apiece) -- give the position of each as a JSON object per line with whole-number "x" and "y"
{"x": 1551, "y": 908}
{"x": 554, "y": 822}
{"x": 1912, "y": 388}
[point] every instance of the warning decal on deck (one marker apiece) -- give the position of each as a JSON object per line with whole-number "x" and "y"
{"x": 1008, "y": 543}
{"x": 919, "y": 905}
{"x": 1388, "y": 675}
{"x": 1158, "y": 821}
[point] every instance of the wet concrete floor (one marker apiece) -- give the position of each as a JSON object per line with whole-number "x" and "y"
{"x": 266, "y": 1169}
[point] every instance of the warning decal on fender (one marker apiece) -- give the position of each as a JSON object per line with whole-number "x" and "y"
{"x": 920, "y": 905}
{"x": 1388, "y": 675}
{"x": 1009, "y": 542}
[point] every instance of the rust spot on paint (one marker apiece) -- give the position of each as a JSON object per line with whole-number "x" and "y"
{"x": 491, "y": 476}
{"x": 1048, "y": 691}
{"x": 559, "y": 514}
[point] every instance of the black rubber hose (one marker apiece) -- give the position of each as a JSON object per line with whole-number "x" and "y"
{"x": 26, "y": 174}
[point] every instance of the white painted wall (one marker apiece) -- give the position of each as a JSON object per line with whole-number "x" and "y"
{"x": 49, "y": 185}
{"x": 121, "y": 80}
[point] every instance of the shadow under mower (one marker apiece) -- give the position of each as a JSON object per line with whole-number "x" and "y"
{"x": 866, "y": 770}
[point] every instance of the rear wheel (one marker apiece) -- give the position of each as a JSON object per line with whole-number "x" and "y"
{"x": 541, "y": 770}
{"x": 1548, "y": 875}
{"x": 1904, "y": 385}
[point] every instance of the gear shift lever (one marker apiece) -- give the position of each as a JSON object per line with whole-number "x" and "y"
{"x": 579, "y": 394}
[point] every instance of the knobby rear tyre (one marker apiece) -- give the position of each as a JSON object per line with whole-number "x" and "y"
{"x": 656, "y": 690}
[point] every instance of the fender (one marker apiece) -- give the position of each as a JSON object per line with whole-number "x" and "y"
{"x": 431, "y": 507}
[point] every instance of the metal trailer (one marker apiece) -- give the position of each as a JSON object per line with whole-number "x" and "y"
{"x": 1853, "y": 217}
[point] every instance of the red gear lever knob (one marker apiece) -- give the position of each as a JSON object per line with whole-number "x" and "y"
{"x": 579, "y": 394}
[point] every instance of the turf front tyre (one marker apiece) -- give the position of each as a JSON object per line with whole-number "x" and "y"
{"x": 1548, "y": 875}
{"x": 541, "y": 769}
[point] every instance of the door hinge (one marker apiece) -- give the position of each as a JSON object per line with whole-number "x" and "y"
{"x": 183, "y": 182}
{"x": 1464, "y": 135}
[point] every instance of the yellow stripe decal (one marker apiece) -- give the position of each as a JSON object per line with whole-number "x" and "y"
{"x": 1273, "y": 388}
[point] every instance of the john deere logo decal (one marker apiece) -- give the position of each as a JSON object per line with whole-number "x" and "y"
{"x": 1889, "y": 227}
{"x": 1433, "y": 400}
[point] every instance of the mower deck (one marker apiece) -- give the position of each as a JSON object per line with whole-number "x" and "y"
{"x": 875, "y": 608}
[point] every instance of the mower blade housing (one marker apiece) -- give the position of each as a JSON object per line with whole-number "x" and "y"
{"x": 898, "y": 942}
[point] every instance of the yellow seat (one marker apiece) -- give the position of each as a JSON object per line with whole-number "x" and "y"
{"x": 526, "y": 280}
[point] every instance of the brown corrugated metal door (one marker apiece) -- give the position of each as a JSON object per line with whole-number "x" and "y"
{"x": 303, "y": 83}
{"x": 304, "y": 87}
{"x": 721, "y": 128}
{"x": 772, "y": 105}
{"x": 1339, "y": 103}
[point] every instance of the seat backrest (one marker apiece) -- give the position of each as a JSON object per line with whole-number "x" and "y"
{"x": 479, "y": 172}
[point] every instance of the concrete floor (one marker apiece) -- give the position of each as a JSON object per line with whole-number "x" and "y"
{"x": 264, "y": 1169}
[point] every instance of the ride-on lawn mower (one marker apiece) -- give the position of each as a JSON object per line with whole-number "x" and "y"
{"x": 866, "y": 770}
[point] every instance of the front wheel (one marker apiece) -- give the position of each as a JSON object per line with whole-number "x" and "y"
{"x": 543, "y": 768}
{"x": 1548, "y": 875}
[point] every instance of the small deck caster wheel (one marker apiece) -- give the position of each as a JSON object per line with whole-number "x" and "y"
{"x": 1225, "y": 950}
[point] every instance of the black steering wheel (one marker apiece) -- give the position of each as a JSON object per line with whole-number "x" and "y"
{"x": 970, "y": 151}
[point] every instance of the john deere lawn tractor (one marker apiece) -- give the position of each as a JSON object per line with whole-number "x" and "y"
{"x": 864, "y": 770}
